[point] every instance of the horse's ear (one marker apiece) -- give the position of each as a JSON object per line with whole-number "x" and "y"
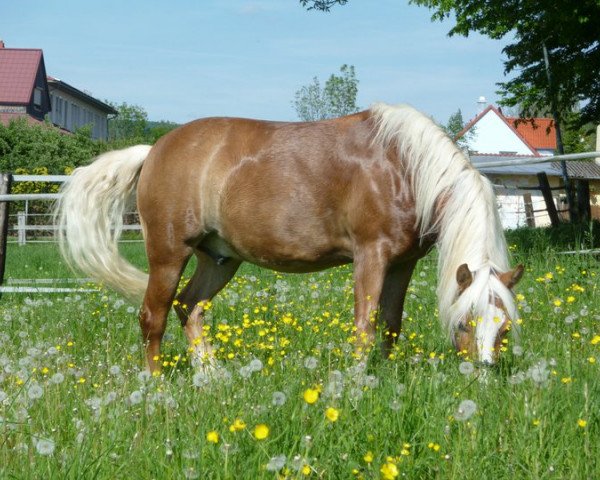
{"x": 512, "y": 277}
{"x": 464, "y": 277}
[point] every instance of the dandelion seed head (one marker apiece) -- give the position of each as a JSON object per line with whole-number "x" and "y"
{"x": 35, "y": 391}
{"x": 276, "y": 463}
{"x": 45, "y": 446}
{"x": 310, "y": 363}
{"x": 517, "y": 350}
{"x": 466, "y": 409}
{"x": 278, "y": 399}
{"x": 135, "y": 397}
{"x": 200, "y": 379}
{"x": 466, "y": 368}
{"x": 255, "y": 365}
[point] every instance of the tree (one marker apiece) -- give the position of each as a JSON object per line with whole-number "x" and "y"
{"x": 336, "y": 99}
{"x": 323, "y": 5}
{"x": 555, "y": 53}
{"x": 456, "y": 125}
{"x": 129, "y": 124}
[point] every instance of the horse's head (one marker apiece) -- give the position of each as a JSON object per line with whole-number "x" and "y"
{"x": 489, "y": 311}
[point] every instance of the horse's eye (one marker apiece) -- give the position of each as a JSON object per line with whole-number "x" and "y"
{"x": 463, "y": 327}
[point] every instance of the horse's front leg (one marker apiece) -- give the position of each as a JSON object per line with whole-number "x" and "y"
{"x": 392, "y": 298}
{"x": 370, "y": 266}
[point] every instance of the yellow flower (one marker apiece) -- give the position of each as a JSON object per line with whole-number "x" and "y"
{"x": 212, "y": 437}
{"x": 332, "y": 414}
{"x": 306, "y": 470}
{"x": 535, "y": 422}
{"x": 311, "y": 395}
{"x": 261, "y": 431}
{"x": 582, "y": 423}
{"x": 595, "y": 340}
{"x": 368, "y": 458}
{"x": 237, "y": 425}
{"x": 570, "y": 299}
{"x": 389, "y": 471}
{"x": 592, "y": 359}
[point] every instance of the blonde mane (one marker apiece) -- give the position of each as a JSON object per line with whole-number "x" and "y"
{"x": 454, "y": 202}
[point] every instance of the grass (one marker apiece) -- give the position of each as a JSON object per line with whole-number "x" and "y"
{"x": 76, "y": 403}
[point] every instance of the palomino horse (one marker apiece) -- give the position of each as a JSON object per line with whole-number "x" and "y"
{"x": 377, "y": 188}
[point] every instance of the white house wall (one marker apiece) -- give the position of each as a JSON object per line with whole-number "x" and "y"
{"x": 71, "y": 113}
{"x": 493, "y": 135}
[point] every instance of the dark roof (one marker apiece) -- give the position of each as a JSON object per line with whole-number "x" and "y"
{"x": 580, "y": 170}
{"x": 18, "y": 70}
{"x": 56, "y": 84}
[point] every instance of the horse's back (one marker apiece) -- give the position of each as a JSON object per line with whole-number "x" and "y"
{"x": 280, "y": 194}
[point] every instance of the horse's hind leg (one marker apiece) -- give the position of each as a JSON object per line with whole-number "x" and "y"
{"x": 208, "y": 279}
{"x": 166, "y": 267}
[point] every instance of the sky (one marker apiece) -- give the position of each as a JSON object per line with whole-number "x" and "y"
{"x": 185, "y": 59}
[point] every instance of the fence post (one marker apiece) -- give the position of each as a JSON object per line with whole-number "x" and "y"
{"x": 597, "y": 159}
{"x": 547, "y": 193}
{"x": 529, "y": 215}
{"x": 5, "y": 186}
{"x": 21, "y": 228}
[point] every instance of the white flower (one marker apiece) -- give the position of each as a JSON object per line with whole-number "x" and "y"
{"x": 465, "y": 410}
{"x": 466, "y": 368}
{"x": 245, "y": 371}
{"x": 45, "y": 446}
{"x": 57, "y": 378}
{"x": 310, "y": 363}
{"x": 517, "y": 350}
{"x": 276, "y": 463}
{"x": 200, "y": 379}
{"x": 255, "y": 365}
{"x": 516, "y": 378}
{"x": 135, "y": 397}
{"x": 278, "y": 399}
{"x": 3, "y": 396}
{"x": 371, "y": 381}
{"x": 35, "y": 391}
{"x": 115, "y": 370}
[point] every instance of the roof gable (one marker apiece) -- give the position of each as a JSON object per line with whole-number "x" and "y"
{"x": 18, "y": 71}
{"x": 491, "y": 133}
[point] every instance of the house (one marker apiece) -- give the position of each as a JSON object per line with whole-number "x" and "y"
{"x": 27, "y": 92}
{"x": 23, "y": 86}
{"x": 493, "y": 137}
{"x": 73, "y": 109}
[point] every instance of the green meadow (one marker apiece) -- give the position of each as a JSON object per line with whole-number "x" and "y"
{"x": 288, "y": 399}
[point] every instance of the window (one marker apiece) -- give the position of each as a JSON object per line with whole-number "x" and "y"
{"x": 37, "y": 98}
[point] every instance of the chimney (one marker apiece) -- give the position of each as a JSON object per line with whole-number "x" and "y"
{"x": 481, "y": 104}
{"x": 1, "y": 43}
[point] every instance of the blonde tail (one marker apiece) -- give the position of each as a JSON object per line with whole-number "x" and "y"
{"x": 89, "y": 219}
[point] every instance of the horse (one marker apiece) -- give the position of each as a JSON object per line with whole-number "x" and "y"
{"x": 378, "y": 189}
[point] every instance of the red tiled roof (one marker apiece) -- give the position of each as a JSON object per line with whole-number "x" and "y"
{"x": 539, "y": 132}
{"x": 506, "y": 120}
{"x": 18, "y": 69}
